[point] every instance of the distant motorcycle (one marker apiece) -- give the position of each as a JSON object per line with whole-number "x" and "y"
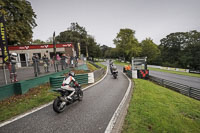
{"x": 114, "y": 72}
{"x": 62, "y": 101}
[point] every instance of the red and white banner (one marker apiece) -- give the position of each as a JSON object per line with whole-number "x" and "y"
{"x": 45, "y": 46}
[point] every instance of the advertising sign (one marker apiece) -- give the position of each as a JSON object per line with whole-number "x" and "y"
{"x": 3, "y": 41}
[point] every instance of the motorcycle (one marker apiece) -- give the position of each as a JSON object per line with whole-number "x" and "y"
{"x": 61, "y": 102}
{"x": 114, "y": 72}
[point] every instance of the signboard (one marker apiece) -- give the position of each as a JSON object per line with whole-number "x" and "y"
{"x": 27, "y": 47}
{"x": 137, "y": 63}
{"x": 3, "y": 41}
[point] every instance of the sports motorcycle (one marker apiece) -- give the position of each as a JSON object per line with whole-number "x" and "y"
{"x": 61, "y": 102}
{"x": 114, "y": 72}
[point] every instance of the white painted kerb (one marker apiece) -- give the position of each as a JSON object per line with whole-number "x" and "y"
{"x": 118, "y": 110}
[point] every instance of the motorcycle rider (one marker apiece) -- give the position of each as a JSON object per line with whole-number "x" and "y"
{"x": 111, "y": 65}
{"x": 67, "y": 84}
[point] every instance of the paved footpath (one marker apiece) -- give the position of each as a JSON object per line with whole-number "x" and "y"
{"x": 25, "y": 73}
{"x": 91, "y": 115}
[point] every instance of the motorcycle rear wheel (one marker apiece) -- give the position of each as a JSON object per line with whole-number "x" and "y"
{"x": 57, "y": 105}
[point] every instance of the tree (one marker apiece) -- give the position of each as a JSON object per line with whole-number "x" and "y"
{"x": 149, "y": 50}
{"x": 38, "y": 41}
{"x": 49, "y": 40}
{"x": 103, "y": 49}
{"x": 20, "y": 20}
{"x": 181, "y": 49}
{"x": 171, "y": 48}
{"x": 126, "y": 44}
{"x": 77, "y": 34}
{"x": 191, "y": 52}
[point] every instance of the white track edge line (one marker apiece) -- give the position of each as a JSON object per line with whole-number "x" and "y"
{"x": 45, "y": 105}
{"x": 119, "y": 108}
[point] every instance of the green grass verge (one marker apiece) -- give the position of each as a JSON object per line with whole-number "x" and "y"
{"x": 101, "y": 65}
{"x": 121, "y": 63}
{"x": 19, "y": 104}
{"x": 157, "y": 109}
{"x": 161, "y": 70}
{"x": 91, "y": 67}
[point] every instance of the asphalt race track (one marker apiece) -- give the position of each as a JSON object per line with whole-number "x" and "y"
{"x": 186, "y": 80}
{"x": 91, "y": 115}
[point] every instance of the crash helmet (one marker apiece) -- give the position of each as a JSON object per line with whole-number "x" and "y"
{"x": 71, "y": 74}
{"x": 14, "y": 54}
{"x": 114, "y": 67}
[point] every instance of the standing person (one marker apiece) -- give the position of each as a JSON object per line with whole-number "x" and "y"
{"x": 76, "y": 61}
{"x": 67, "y": 60}
{"x": 56, "y": 60}
{"x": 62, "y": 61}
{"x": 55, "y": 63}
{"x": 13, "y": 73}
{"x": 72, "y": 61}
{"x": 36, "y": 61}
{"x": 46, "y": 63}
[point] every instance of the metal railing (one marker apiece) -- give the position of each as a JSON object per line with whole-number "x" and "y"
{"x": 183, "y": 89}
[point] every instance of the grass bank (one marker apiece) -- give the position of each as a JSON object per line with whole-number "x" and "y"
{"x": 161, "y": 70}
{"x": 16, "y": 105}
{"x": 101, "y": 65}
{"x": 91, "y": 67}
{"x": 157, "y": 109}
{"x": 121, "y": 63}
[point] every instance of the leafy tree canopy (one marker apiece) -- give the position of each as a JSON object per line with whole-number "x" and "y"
{"x": 20, "y": 20}
{"x": 150, "y": 50}
{"x": 126, "y": 44}
{"x": 77, "y": 34}
{"x": 181, "y": 49}
{"x": 37, "y": 41}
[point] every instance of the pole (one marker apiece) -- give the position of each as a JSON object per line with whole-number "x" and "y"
{"x": 4, "y": 72}
{"x": 54, "y": 44}
{"x": 54, "y": 51}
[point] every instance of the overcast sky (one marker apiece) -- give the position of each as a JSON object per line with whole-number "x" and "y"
{"x": 104, "y": 18}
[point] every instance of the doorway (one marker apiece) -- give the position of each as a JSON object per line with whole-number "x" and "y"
{"x": 23, "y": 60}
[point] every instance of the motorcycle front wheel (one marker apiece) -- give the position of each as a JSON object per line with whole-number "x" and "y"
{"x": 58, "y": 105}
{"x": 80, "y": 95}
{"x": 115, "y": 76}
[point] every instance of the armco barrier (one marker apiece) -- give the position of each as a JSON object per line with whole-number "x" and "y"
{"x": 183, "y": 89}
{"x": 98, "y": 73}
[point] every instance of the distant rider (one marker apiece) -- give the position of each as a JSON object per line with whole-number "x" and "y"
{"x": 111, "y": 65}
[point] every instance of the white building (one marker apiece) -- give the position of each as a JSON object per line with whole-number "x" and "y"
{"x": 26, "y": 52}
